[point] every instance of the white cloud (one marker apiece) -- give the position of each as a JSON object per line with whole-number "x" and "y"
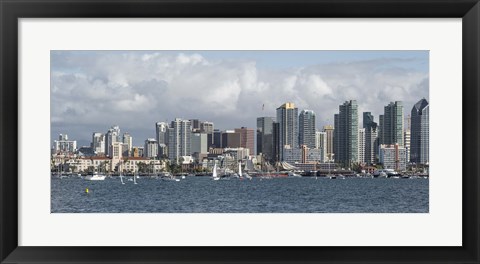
{"x": 137, "y": 89}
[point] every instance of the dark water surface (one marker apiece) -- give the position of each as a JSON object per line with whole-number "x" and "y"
{"x": 203, "y": 195}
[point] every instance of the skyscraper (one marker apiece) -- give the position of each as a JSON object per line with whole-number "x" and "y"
{"x": 112, "y": 136}
{"x": 287, "y": 118}
{"x": 321, "y": 144}
{"x": 247, "y": 138}
{"x": 217, "y": 139}
{"x": 195, "y": 123}
{"x": 346, "y": 133}
{"x": 419, "y": 134}
{"x": 179, "y": 139}
{"x": 371, "y": 138}
{"x": 231, "y": 139}
{"x": 161, "y": 135}
{"x": 98, "y": 143}
{"x": 329, "y": 130}
{"x": 128, "y": 140}
{"x": 306, "y": 127}
{"x": 265, "y": 137}
{"x": 150, "y": 148}
{"x": 361, "y": 145}
{"x": 207, "y": 128}
{"x": 392, "y": 129}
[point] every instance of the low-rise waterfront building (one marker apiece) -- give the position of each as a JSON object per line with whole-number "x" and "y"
{"x": 393, "y": 157}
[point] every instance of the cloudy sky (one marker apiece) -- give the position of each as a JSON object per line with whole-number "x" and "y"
{"x": 93, "y": 90}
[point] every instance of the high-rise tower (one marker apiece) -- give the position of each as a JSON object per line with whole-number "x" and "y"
{"x": 371, "y": 138}
{"x": 346, "y": 133}
{"x": 287, "y": 118}
{"x": 392, "y": 127}
{"x": 419, "y": 134}
{"x": 306, "y": 127}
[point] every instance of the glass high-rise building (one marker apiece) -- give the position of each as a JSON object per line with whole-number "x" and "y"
{"x": 265, "y": 137}
{"x": 306, "y": 127}
{"x": 392, "y": 127}
{"x": 179, "y": 139}
{"x": 346, "y": 134}
{"x": 371, "y": 138}
{"x": 419, "y": 133}
{"x": 112, "y": 136}
{"x": 287, "y": 118}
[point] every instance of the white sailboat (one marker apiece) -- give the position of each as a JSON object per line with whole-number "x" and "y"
{"x": 134, "y": 179}
{"x": 121, "y": 177}
{"x": 245, "y": 175}
{"x": 214, "y": 173}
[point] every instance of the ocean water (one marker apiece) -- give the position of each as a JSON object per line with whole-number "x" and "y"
{"x": 203, "y": 195}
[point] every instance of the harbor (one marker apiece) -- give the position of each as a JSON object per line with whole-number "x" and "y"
{"x": 197, "y": 194}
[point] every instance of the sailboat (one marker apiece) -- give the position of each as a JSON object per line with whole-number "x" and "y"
{"x": 240, "y": 172}
{"x": 214, "y": 173}
{"x": 121, "y": 177}
{"x": 134, "y": 179}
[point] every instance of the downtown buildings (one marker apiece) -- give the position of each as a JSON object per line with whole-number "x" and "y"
{"x": 289, "y": 137}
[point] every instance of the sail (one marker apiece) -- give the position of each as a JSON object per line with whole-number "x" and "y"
{"x": 214, "y": 174}
{"x": 240, "y": 169}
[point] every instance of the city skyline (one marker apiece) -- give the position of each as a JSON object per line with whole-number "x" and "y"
{"x": 93, "y": 90}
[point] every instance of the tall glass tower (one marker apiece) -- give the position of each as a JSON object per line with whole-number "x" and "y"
{"x": 419, "y": 134}
{"x": 287, "y": 118}
{"x": 265, "y": 137}
{"x": 179, "y": 135}
{"x": 371, "y": 137}
{"x": 346, "y": 134}
{"x": 307, "y": 128}
{"x": 392, "y": 127}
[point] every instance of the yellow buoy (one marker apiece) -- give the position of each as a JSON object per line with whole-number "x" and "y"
{"x": 86, "y": 190}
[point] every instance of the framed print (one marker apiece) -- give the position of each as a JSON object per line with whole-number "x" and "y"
{"x": 225, "y": 131}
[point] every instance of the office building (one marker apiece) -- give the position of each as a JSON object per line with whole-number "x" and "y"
{"x": 208, "y": 128}
{"x": 113, "y": 135}
{"x": 247, "y": 138}
{"x": 419, "y": 137}
{"x": 231, "y": 139}
{"x": 179, "y": 139}
{"x": 195, "y": 124}
{"x": 306, "y": 129}
{"x": 217, "y": 139}
{"x": 328, "y": 129}
{"x": 287, "y": 118}
{"x": 98, "y": 143}
{"x": 128, "y": 140}
{"x": 393, "y": 157}
{"x": 265, "y": 137}
{"x": 150, "y": 148}
{"x": 371, "y": 138}
{"x": 199, "y": 143}
{"x": 346, "y": 134}
{"x": 321, "y": 144}
{"x": 361, "y": 145}
{"x": 161, "y": 135}
{"x": 392, "y": 125}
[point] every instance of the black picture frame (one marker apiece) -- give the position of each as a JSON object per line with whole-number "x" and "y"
{"x": 12, "y": 10}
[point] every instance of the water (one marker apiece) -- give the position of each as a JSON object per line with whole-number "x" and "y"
{"x": 203, "y": 195}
